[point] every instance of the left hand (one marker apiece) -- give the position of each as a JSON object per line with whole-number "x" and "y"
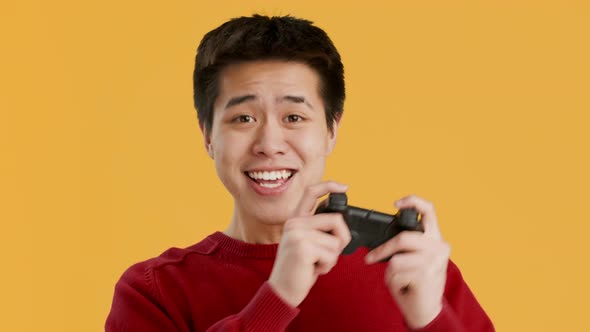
{"x": 416, "y": 274}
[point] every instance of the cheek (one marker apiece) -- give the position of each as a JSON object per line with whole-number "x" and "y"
{"x": 227, "y": 163}
{"x": 228, "y": 150}
{"x": 313, "y": 144}
{"x": 312, "y": 150}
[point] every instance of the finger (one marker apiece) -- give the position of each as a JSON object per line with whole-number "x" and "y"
{"x": 312, "y": 193}
{"x": 325, "y": 259}
{"x": 406, "y": 262}
{"x": 332, "y": 223}
{"x": 306, "y": 243}
{"x": 400, "y": 282}
{"x": 406, "y": 241}
{"x": 426, "y": 209}
{"x": 326, "y": 240}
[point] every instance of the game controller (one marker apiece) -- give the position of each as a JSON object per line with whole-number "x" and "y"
{"x": 369, "y": 228}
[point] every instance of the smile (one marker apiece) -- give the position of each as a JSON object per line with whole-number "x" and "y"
{"x": 270, "y": 179}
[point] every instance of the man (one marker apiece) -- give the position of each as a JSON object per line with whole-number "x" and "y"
{"x": 269, "y": 94}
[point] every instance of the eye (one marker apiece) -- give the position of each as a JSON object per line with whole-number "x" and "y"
{"x": 294, "y": 118}
{"x": 243, "y": 118}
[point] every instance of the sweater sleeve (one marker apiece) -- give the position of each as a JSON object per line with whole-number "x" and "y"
{"x": 266, "y": 312}
{"x": 461, "y": 312}
{"x": 138, "y": 306}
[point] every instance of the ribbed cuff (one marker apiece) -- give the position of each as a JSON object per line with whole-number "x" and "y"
{"x": 267, "y": 312}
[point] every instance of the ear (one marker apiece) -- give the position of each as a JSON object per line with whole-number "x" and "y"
{"x": 332, "y": 134}
{"x": 207, "y": 141}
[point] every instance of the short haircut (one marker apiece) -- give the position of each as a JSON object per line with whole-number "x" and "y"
{"x": 259, "y": 37}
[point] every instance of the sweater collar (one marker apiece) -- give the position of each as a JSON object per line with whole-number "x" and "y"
{"x": 242, "y": 249}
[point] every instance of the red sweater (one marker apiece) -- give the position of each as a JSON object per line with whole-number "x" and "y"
{"x": 219, "y": 284}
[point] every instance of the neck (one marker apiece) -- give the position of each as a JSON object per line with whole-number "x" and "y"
{"x": 254, "y": 231}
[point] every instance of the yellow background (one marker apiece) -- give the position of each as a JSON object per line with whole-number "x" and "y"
{"x": 479, "y": 106}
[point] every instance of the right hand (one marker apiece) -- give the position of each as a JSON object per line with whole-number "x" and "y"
{"x": 309, "y": 247}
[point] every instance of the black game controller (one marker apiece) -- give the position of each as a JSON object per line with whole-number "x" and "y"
{"x": 369, "y": 228}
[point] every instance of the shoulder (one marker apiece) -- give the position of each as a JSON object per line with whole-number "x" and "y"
{"x": 453, "y": 269}
{"x": 173, "y": 259}
{"x": 453, "y": 273}
{"x": 455, "y": 281}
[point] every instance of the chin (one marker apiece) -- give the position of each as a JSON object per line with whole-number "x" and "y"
{"x": 277, "y": 218}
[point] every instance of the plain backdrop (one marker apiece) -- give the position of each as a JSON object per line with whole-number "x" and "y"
{"x": 479, "y": 106}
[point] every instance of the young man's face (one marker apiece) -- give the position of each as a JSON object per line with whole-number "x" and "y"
{"x": 269, "y": 137}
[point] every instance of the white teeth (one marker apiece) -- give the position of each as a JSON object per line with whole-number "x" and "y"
{"x": 270, "y": 185}
{"x": 272, "y": 175}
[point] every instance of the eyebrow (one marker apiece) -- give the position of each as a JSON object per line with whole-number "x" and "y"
{"x": 296, "y": 100}
{"x": 245, "y": 98}
{"x": 239, "y": 100}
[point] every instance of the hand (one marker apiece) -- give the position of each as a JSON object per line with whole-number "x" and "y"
{"x": 416, "y": 274}
{"x": 309, "y": 247}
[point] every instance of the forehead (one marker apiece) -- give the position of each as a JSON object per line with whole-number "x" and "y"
{"x": 268, "y": 74}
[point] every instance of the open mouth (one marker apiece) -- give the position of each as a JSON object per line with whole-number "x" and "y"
{"x": 270, "y": 179}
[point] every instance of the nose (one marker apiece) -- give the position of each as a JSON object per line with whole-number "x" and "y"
{"x": 270, "y": 139}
